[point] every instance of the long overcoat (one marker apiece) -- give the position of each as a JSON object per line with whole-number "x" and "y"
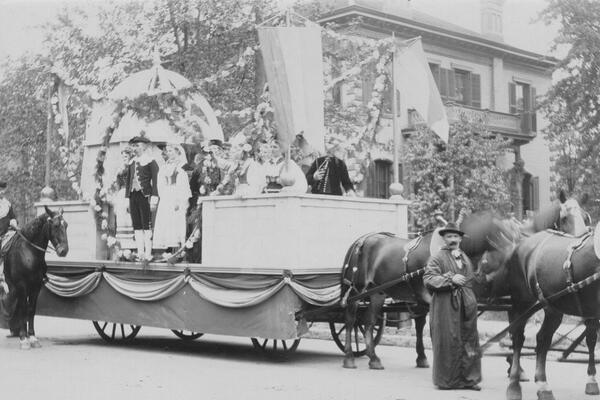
{"x": 453, "y": 322}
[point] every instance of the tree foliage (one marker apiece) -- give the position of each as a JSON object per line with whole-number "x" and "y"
{"x": 572, "y": 105}
{"x": 462, "y": 174}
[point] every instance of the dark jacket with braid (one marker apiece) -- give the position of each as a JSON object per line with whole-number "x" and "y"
{"x": 337, "y": 177}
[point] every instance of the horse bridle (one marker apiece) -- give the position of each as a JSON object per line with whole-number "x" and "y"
{"x": 35, "y": 246}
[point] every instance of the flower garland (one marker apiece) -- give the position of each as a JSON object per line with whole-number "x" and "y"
{"x": 98, "y": 203}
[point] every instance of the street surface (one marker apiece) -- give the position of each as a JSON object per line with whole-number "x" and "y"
{"x": 74, "y": 363}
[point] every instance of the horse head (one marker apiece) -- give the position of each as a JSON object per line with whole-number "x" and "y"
{"x": 572, "y": 218}
{"x": 57, "y": 231}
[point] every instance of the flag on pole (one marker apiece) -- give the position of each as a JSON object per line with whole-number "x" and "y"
{"x": 293, "y": 62}
{"x": 417, "y": 88}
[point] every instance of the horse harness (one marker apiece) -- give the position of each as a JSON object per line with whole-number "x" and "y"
{"x": 356, "y": 250}
{"x": 567, "y": 268}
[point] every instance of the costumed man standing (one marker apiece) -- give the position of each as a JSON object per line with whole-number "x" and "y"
{"x": 453, "y": 315}
{"x": 7, "y": 220}
{"x": 142, "y": 191}
{"x": 329, "y": 174}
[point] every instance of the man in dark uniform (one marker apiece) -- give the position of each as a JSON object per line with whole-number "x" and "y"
{"x": 453, "y": 315}
{"x": 329, "y": 174}
{"x": 7, "y": 220}
{"x": 141, "y": 189}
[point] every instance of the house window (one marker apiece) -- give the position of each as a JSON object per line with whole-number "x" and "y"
{"x": 531, "y": 193}
{"x": 462, "y": 88}
{"x": 380, "y": 178}
{"x": 521, "y": 98}
{"x": 457, "y": 85}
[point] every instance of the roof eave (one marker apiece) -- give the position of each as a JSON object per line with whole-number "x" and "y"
{"x": 538, "y": 60}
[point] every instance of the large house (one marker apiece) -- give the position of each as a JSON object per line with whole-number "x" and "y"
{"x": 477, "y": 74}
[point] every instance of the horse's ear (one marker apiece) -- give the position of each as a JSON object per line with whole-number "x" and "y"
{"x": 49, "y": 211}
{"x": 562, "y": 196}
{"x": 61, "y": 211}
{"x": 584, "y": 199}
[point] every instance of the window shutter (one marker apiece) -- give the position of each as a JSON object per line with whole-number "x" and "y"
{"x": 367, "y": 88}
{"x": 451, "y": 84}
{"x": 512, "y": 98}
{"x": 371, "y": 181}
{"x": 535, "y": 193}
{"x": 435, "y": 71}
{"x": 476, "y": 90}
{"x": 443, "y": 83}
{"x": 533, "y": 111}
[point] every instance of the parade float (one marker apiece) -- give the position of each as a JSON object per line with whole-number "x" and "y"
{"x": 266, "y": 257}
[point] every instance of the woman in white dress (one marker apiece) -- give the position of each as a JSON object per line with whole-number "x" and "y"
{"x": 174, "y": 192}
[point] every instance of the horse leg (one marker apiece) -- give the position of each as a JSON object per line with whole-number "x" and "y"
{"x": 350, "y": 319}
{"x": 21, "y": 318}
{"x": 374, "y": 312}
{"x": 31, "y": 307}
{"x": 591, "y": 336}
{"x": 419, "y": 326}
{"x": 552, "y": 320}
{"x": 513, "y": 392}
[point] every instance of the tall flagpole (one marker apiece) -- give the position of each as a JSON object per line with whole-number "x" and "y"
{"x": 395, "y": 114}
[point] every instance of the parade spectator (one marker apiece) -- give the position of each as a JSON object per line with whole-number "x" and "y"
{"x": 141, "y": 189}
{"x": 329, "y": 174}
{"x": 7, "y": 220}
{"x": 173, "y": 184}
{"x": 453, "y": 315}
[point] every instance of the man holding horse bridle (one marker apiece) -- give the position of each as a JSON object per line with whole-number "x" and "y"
{"x": 453, "y": 315}
{"x": 7, "y": 220}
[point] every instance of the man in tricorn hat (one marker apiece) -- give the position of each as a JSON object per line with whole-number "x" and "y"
{"x": 7, "y": 220}
{"x": 453, "y": 315}
{"x": 140, "y": 180}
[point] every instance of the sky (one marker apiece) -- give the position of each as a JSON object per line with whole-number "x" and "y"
{"x": 19, "y": 18}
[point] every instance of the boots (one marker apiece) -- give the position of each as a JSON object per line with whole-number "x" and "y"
{"x": 139, "y": 243}
{"x": 148, "y": 245}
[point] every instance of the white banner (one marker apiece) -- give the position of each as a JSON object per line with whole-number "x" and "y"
{"x": 293, "y": 62}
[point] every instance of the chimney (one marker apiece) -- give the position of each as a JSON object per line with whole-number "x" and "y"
{"x": 491, "y": 19}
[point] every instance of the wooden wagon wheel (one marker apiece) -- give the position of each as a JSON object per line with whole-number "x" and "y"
{"x": 114, "y": 332}
{"x": 276, "y": 346}
{"x": 186, "y": 335}
{"x": 338, "y": 332}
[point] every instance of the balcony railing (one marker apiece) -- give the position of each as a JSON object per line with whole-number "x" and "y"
{"x": 515, "y": 126}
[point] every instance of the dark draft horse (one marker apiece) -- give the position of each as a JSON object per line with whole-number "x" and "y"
{"x": 541, "y": 266}
{"x": 375, "y": 259}
{"x": 25, "y": 270}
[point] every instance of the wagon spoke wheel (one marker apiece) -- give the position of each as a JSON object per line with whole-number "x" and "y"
{"x": 276, "y": 346}
{"x": 114, "y": 332}
{"x": 186, "y": 335}
{"x": 357, "y": 337}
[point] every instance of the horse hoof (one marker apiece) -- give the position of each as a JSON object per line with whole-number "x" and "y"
{"x": 422, "y": 363}
{"x": 349, "y": 364}
{"x": 25, "y": 345}
{"x": 592, "y": 388}
{"x": 35, "y": 344}
{"x": 375, "y": 365}
{"x": 514, "y": 391}
{"x": 545, "y": 395}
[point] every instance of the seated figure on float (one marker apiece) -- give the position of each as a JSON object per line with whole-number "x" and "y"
{"x": 329, "y": 174}
{"x": 283, "y": 175}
